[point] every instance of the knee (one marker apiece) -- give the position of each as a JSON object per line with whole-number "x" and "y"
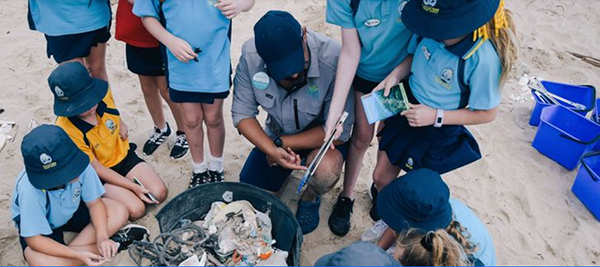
{"x": 381, "y": 179}
{"x": 117, "y": 211}
{"x": 149, "y": 90}
{"x": 213, "y": 121}
{"x": 192, "y": 121}
{"x": 361, "y": 140}
{"x": 136, "y": 210}
{"x": 161, "y": 194}
{"x": 327, "y": 175}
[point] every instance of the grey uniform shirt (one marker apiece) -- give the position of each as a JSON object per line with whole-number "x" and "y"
{"x": 294, "y": 113}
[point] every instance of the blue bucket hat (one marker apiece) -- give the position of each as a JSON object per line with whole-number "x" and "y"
{"x": 74, "y": 91}
{"x": 358, "y": 254}
{"x": 278, "y": 40}
{"x": 447, "y": 19}
{"x": 419, "y": 199}
{"x": 51, "y": 158}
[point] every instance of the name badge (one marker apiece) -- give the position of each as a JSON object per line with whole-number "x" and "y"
{"x": 372, "y": 22}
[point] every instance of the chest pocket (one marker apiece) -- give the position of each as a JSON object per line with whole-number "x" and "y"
{"x": 306, "y": 112}
{"x": 265, "y": 99}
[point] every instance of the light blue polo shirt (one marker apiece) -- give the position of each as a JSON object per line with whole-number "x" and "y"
{"x": 480, "y": 236}
{"x": 29, "y": 203}
{"x": 203, "y": 26}
{"x": 385, "y": 45}
{"x": 434, "y": 80}
{"x": 62, "y": 17}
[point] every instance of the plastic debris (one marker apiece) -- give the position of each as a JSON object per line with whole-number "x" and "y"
{"x": 234, "y": 234}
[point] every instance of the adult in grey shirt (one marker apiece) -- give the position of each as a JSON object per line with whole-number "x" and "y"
{"x": 289, "y": 72}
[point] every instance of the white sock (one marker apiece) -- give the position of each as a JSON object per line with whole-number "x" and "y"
{"x": 164, "y": 130}
{"x": 216, "y": 164}
{"x": 199, "y": 167}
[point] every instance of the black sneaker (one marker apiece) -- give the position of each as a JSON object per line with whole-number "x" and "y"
{"x": 199, "y": 178}
{"x": 216, "y": 176}
{"x": 156, "y": 139}
{"x": 131, "y": 232}
{"x": 181, "y": 147}
{"x": 339, "y": 220}
{"x": 373, "y": 212}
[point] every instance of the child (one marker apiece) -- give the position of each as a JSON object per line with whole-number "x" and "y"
{"x": 434, "y": 248}
{"x": 59, "y": 191}
{"x": 88, "y": 114}
{"x": 144, "y": 59}
{"x": 374, "y": 42}
{"x": 456, "y": 81}
{"x": 197, "y": 35}
{"x": 420, "y": 199}
{"x": 75, "y": 30}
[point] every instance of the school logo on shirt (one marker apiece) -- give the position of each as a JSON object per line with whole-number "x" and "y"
{"x": 446, "y": 77}
{"x": 426, "y": 52}
{"x": 313, "y": 91}
{"x": 400, "y": 8}
{"x": 60, "y": 93}
{"x": 46, "y": 161}
{"x": 110, "y": 124}
{"x": 260, "y": 80}
{"x": 429, "y": 6}
{"x": 76, "y": 193}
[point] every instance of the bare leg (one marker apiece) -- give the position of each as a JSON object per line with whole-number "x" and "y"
{"x": 361, "y": 138}
{"x": 146, "y": 174}
{"x": 384, "y": 172}
{"x": 153, "y": 100}
{"x": 326, "y": 176}
{"x": 215, "y": 127}
{"x": 35, "y": 258}
{"x": 135, "y": 207}
{"x": 193, "y": 117}
{"x": 161, "y": 82}
{"x": 96, "y": 62}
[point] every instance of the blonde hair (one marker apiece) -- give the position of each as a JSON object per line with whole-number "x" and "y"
{"x": 505, "y": 41}
{"x": 434, "y": 248}
{"x": 461, "y": 235}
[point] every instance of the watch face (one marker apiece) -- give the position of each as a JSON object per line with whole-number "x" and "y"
{"x": 278, "y": 142}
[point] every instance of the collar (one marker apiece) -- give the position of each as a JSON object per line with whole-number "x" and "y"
{"x": 85, "y": 126}
{"x": 466, "y": 47}
{"x": 313, "y": 70}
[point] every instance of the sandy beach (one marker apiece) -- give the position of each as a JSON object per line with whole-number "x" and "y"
{"x": 523, "y": 197}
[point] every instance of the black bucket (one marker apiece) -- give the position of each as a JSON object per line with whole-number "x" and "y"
{"x": 194, "y": 204}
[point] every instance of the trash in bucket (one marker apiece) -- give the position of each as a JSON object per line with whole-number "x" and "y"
{"x": 194, "y": 205}
{"x": 565, "y": 136}
{"x": 584, "y": 95}
{"x": 587, "y": 183}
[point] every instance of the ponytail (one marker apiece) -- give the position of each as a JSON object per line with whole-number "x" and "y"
{"x": 430, "y": 249}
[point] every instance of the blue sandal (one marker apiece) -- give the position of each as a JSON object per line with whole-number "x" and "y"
{"x": 308, "y": 215}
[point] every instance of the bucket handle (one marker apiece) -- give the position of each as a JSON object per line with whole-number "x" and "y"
{"x": 579, "y": 141}
{"x": 587, "y": 168}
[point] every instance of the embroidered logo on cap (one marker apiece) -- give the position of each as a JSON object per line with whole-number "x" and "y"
{"x": 429, "y": 6}
{"x": 47, "y": 162}
{"x": 60, "y": 93}
{"x": 409, "y": 163}
{"x": 260, "y": 80}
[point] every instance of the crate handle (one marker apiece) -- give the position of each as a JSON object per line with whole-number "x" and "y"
{"x": 579, "y": 141}
{"x": 589, "y": 170}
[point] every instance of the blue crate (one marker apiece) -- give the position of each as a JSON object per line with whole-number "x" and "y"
{"x": 583, "y": 94}
{"x": 565, "y": 136}
{"x": 587, "y": 183}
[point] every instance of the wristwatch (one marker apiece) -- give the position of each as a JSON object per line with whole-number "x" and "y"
{"x": 439, "y": 118}
{"x": 278, "y": 142}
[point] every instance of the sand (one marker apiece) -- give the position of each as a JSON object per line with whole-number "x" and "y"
{"x": 523, "y": 197}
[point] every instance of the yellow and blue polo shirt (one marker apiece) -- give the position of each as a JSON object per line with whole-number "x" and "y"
{"x": 101, "y": 141}
{"x": 436, "y": 73}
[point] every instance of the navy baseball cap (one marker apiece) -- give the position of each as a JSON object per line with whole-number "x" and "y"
{"x": 74, "y": 91}
{"x": 278, "y": 40}
{"x": 419, "y": 199}
{"x": 358, "y": 254}
{"x": 51, "y": 158}
{"x": 447, "y": 19}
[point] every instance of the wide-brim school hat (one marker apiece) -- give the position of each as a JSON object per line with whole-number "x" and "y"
{"x": 419, "y": 199}
{"x": 358, "y": 254}
{"x": 74, "y": 91}
{"x": 447, "y": 19}
{"x": 278, "y": 41}
{"x": 51, "y": 158}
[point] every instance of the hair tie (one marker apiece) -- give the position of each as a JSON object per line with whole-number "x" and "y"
{"x": 427, "y": 241}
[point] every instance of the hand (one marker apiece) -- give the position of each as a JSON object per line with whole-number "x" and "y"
{"x": 124, "y": 131}
{"x": 89, "y": 258}
{"x": 141, "y": 193}
{"x": 181, "y": 49}
{"x": 107, "y": 248}
{"x": 229, "y": 8}
{"x": 329, "y": 128}
{"x": 390, "y": 81}
{"x": 285, "y": 158}
{"x": 420, "y": 115}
